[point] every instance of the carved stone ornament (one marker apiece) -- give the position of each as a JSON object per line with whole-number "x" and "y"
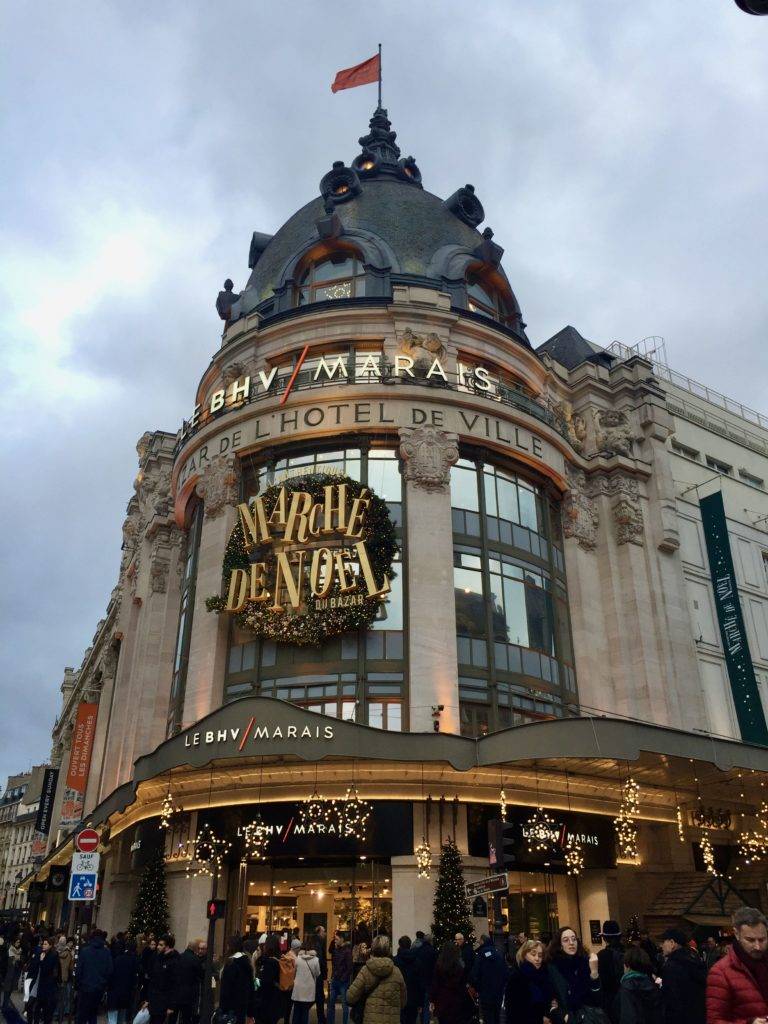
{"x": 580, "y": 516}
{"x": 627, "y": 513}
{"x": 428, "y": 454}
{"x": 219, "y": 484}
{"x": 159, "y": 566}
{"x": 423, "y": 349}
{"x": 614, "y": 434}
{"x": 109, "y": 662}
{"x": 628, "y": 520}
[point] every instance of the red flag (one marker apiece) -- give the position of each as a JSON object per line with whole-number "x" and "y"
{"x": 360, "y": 74}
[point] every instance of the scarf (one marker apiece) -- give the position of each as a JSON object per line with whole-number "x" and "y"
{"x": 757, "y": 967}
{"x": 538, "y": 983}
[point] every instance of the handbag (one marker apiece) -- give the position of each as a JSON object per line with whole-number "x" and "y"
{"x": 142, "y": 1017}
{"x": 357, "y": 1010}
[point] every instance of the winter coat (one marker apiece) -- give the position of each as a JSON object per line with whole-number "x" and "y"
{"x": 122, "y": 984}
{"x": 4, "y": 959}
{"x": 382, "y": 986}
{"x": 639, "y": 1000}
{"x": 48, "y": 976}
{"x": 407, "y": 961}
{"x": 237, "y": 995}
{"x": 189, "y": 977}
{"x": 163, "y": 992}
{"x": 307, "y": 973}
{"x": 610, "y": 968}
{"x": 341, "y": 962}
{"x": 453, "y": 1003}
{"x": 574, "y": 985}
{"x": 732, "y": 993}
{"x": 489, "y": 975}
{"x": 11, "y": 976}
{"x": 529, "y": 991}
{"x": 683, "y": 983}
{"x": 94, "y": 966}
{"x": 467, "y": 954}
{"x": 66, "y": 962}
{"x": 270, "y": 1000}
{"x": 427, "y": 959}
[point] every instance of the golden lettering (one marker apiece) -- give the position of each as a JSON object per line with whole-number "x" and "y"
{"x": 278, "y": 512}
{"x": 254, "y": 527}
{"x": 344, "y": 572}
{"x": 357, "y": 515}
{"x": 324, "y": 556}
{"x": 238, "y": 579}
{"x": 339, "y": 509}
{"x": 284, "y": 577}
{"x": 298, "y": 518}
{"x": 374, "y": 590}
{"x": 259, "y": 590}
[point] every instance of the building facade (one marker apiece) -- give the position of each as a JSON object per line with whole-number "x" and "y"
{"x": 402, "y": 573}
{"x": 18, "y": 817}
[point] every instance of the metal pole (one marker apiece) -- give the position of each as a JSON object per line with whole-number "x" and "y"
{"x": 206, "y": 1002}
{"x": 379, "y": 74}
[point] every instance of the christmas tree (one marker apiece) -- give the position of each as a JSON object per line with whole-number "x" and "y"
{"x": 451, "y": 902}
{"x": 150, "y": 911}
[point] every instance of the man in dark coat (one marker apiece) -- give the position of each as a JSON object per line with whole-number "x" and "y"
{"x": 92, "y": 974}
{"x": 321, "y": 948}
{"x": 163, "y": 991}
{"x": 189, "y": 981}
{"x": 467, "y": 954}
{"x": 407, "y": 960}
{"x": 489, "y": 979}
{"x": 737, "y": 986}
{"x": 427, "y": 958}
{"x": 610, "y": 968}
{"x": 121, "y": 992}
{"x": 237, "y": 997}
{"x": 683, "y": 980}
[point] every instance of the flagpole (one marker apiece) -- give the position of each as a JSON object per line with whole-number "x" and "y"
{"x": 379, "y": 74}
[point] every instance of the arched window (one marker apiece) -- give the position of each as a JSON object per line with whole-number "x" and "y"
{"x": 338, "y": 276}
{"x": 485, "y": 298}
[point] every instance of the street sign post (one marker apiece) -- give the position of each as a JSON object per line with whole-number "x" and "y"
{"x": 493, "y": 883}
{"x": 83, "y": 876}
{"x": 87, "y": 841}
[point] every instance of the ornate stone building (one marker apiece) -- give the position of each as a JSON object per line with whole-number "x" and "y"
{"x": 534, "y": 637}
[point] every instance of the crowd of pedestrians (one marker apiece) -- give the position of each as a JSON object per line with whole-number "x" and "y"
{"x": 281, "y": 977}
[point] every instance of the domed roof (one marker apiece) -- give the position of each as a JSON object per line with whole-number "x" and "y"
{"x": 376, "y": 206}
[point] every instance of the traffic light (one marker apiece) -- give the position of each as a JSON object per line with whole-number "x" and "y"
{"x": 215, "y": 909}
{"x": 501, "y": 844}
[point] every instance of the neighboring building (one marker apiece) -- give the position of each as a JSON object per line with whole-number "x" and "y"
{"x": 545, "y": 631}
{"x": 18, "y": 812}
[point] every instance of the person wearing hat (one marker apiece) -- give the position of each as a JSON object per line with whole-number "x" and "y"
{"x": 610, "y": 968}
{"x": 683, "y": 980}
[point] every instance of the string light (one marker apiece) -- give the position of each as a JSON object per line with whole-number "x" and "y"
{"x": 574, "y": 856}
{"x": 255, "y": 839}
{"x": 708, "y": 855}
{"x": 753, "y": 845}
{"x": 207, "y": 852}
{"x": 680, "y": 828}
{"x": 423, "y": 854}
{"x": 539, "y": 831}
{"x": 168, "y": 810}
{"x": 625, "y": 824}
{"x": 354, "y": 814}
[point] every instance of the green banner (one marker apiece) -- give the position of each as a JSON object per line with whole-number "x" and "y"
{"x": 741, "y": 673}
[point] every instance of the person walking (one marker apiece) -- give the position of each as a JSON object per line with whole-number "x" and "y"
{"x": 448, "y": 993}
{"x": 237, "y": 995}
{"x": 379, "y": 986}
{"x": 146, "y": 966}
{"x": 305, "y": 982}
{"x": 427, "y": 958}
{"x": 10, "y": 978}
{"x": 47, "y": 982}
{"x": 321, "y": 949}
{"x": 639, "y": 999}
{"x": 190, "y": 970}
{"x": 341, "y": 976}
{"x": 683, "y": 980}
{"x": 163, "y": 990}
{"x": 610, "y": 967}
{"x": 529, "y": 997}
{"x": 92, "y": 973}
{"x": 65, "y": 950}
{"x": 409, "y": 965}
{"x": 489, "y": 979}
{"x": 269, "y": 1001}
{"x": 737, "y": 985}
{"x": 121, "y": 991}
{"x": 574, "y": 975}
{"x": 466, "y": 952}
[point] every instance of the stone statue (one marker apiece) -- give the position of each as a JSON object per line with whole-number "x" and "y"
{"x": 423, "y": 349}
{"x": 226, "y": 301}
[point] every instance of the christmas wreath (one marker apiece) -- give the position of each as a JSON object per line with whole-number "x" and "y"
{"x": 311, "y": 625}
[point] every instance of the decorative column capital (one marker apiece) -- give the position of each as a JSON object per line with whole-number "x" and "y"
{"x": 219, "y": 484}
{"x": 428, "y": 454}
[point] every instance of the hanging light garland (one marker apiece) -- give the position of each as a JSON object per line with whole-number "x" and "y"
{"x": 753, "y": 845}
{"x": 255, "y": 837}
{"x": 680, "y": 827}
{"x": 574, "y": 852}
{"x": 168, "y": 809}
{"x": 539, "y": 830}
{"x": 316, "y": 809}
{"x": 708, "y": 855}
{"x": 423, "y": 851}
{"x": 207, "y": 852}
{"x": 353, "y": 814}
{"x": 626, "y": 824}
{"x": 502, "y": 798}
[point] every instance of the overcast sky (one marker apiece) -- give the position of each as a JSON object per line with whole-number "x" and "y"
{"x": 619, "y": 149}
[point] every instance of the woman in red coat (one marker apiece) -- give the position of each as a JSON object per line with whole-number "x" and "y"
{"x": 737, "y": 985}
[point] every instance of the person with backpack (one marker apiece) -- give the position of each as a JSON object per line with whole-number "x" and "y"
{"x": 287, "y": 965}
{"x": 610, "y": 968}
{"x": 305, "y": 982}
{"x": 341, "y": 975}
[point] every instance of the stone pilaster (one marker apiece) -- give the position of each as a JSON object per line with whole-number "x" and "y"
{"x": 219, "y": 489}
{"x": 428, "y": 455}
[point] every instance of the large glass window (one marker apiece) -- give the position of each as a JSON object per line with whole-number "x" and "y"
{"x": 340, "y": 276}
{"x": 360, "y": 676}
{"x": 485, "y": 298}
{"x": 513, "y": 633}
{"x": 184, "y": 631}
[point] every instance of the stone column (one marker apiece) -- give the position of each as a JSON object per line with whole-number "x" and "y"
{"x": 428, "y": 454}
{"x": 219, "y": 489}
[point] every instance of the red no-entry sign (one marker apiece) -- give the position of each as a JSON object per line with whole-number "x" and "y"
{"x": 87, "y": 840}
